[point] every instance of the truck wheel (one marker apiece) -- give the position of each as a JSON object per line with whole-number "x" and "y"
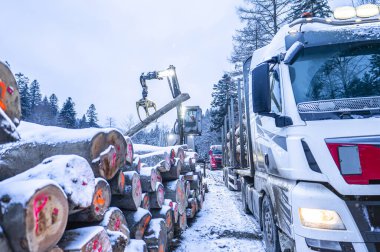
{"x": 244, "y": 196}
{"x": 270, "y": 230}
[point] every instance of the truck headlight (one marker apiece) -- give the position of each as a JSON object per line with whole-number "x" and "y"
{"x": 319, "y": 218}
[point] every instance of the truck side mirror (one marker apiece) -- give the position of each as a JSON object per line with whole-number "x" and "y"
{"x": 261, "y": 89}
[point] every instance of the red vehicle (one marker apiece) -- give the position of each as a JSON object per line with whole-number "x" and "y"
{"x": 215, "y": 154}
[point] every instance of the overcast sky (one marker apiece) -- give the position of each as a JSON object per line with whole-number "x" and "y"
{"x": 95, "y": 50}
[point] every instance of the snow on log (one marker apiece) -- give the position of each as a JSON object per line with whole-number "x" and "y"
{"x": 4, "y": 244}
{"x": 33, "y": 213}
{"x": 174, "y": 207}
{"x": 156, "y": 236}
{"x": 180, "y": 153}
{"x": 192, "y": 208}
{"x": 117, "y": 183}
{"x": 136, "y": 246}
{"x": 86, "y": 239}
{"x": 148, "y": 177}
{"x": 8, "y": 131}
{"x": 104, "y": 149}
{"x": 72, "y": 173}
{"x": 174, "y": 172}
{"x": 114, "y": 220}
{"x": 119, "y": 241}
{"x": 145, "y": 201}
{"x": 101, "y": 199}
{"x": 157, "y": 198}
{"x": 181, "y": 225}
{"x": 137, "y": 222}
{"x": 175, "y": 190}
{"x": 160, "y": 159}
{"x": 165, "y": 213}
{"x": 129, "y": 151}
{"x": 55, "y": 249}
{"x": 131, "y": 199}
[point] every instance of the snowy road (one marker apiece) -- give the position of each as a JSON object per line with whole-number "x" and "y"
{"x": 221, "y": 225}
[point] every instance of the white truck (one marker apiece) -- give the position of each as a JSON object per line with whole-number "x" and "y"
{"x": 312, "y": 101}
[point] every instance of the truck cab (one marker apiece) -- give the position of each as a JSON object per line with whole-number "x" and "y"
{"x": 215, "y": 157}
{"x": 314, "y": 116}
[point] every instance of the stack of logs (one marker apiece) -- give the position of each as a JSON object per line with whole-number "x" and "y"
{"x": 239, "y": 143}
{"x": 86, "y": 190}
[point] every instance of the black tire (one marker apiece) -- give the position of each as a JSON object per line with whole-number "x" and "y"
{"x": 244, "y": 196}
{"x": 270, "y": 230}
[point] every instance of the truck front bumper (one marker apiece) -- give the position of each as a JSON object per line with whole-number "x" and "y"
{"x": 359, "y": 234}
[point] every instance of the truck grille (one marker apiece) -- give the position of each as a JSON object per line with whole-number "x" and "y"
{"x": 340, "y": 105}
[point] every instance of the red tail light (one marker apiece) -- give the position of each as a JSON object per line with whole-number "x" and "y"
{"x": 368, "y": 159}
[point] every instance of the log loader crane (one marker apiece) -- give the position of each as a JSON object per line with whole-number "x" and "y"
{"x": 188, "y": 118}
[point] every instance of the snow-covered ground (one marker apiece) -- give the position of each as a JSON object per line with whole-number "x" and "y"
{"x": 221, "y": 225}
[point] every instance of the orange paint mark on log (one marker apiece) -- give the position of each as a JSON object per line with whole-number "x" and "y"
{"x": 2, "y": 95}
{"x": 99, "y": 200}
{"x": 121, "y": 182}
{"x": 38, "y": 205}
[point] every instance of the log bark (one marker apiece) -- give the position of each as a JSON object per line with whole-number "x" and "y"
{"x": 195, "y": 183}
{"x": 8, "y": 131}
{"x": 145, "y": 203}
{"x": 157, "y": 198}
{"x": 137, "y": 222}
{"x": 137, "y": 245}
{"x": 148, "y": 177}
{"x": 165, "y": 213}
{"x": 117, "y": 184}
{"x": 101, "y": 200}
{"x": 159, "y": 177}
{"x": 72, "y": 173}
{"x": 92, "y": 144}
{"x": 87, "y": 239}
{"x": 4, "y": 244}
{"x": 131, "y": 199}
{"x": 175, "y": 190}
{"x": 33, "y": 213}
{"x": 156, "y": 236}
{"x": 174, "y": 172}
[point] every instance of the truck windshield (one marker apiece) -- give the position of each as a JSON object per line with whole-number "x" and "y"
{"x": 336, "y": 72}
{"x": 216, "y": 152}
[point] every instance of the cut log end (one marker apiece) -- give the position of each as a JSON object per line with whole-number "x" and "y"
{"x": 156, "y": 235}
{"x": 137, "y": 222}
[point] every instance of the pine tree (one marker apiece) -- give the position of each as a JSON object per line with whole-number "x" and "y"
{"x": 54, "y": 109}
{"x": 66, "y": 117}
{"x": 23, "y": 82}
{"x": 208, "y": 137}
{"x": 319, "y": 8}
{"x": 92, "y": 116}
{"x": 221, "y": 95}
{"x": 42, "y": 114}
{"x": 35, "y": 95}
{"x": 83, "y": 122}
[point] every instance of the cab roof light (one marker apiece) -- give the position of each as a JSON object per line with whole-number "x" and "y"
{"x": 345, "y": 12}
{"x": 367, "y": 10}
